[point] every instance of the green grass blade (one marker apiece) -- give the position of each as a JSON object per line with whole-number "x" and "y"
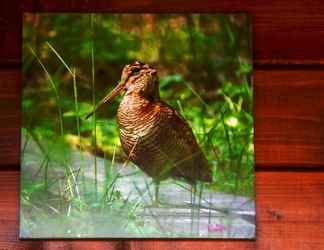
{"x": 59, "y": 57}
{"x": 93, "y": 92}
{"x": 52, "y": 84}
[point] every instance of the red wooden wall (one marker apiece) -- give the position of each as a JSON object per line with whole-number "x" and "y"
{"x": 288, "y": 39}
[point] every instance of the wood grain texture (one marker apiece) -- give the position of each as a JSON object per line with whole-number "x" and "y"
{"x": 289, "y": 216}
{"x": 289, "y": 118}
{"x": 284, "y": 32}
{"x": 9, "y": 117}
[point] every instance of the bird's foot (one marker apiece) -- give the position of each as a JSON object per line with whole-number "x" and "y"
{"x": 156, "y": 203}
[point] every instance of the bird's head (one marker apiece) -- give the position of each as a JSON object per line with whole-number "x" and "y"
{"x": 141, "y": 79}
{"x": 137, "y": 78}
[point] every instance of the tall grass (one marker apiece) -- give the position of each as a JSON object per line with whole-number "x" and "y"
{"x": 72, "y": 72}
{"x": 72, "y": 185}
{"x": 71, "y": 180}
{"x": 54, "y": 89}
{"x": 93, "y": 95}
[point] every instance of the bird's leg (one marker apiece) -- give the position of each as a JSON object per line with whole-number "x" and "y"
{"x": 193, "y": 201}
{"x": 200, "y": 187}
{"x": 156, "y": 201}
{"x": 191, "y": 210}
{"x": 193, "y": 205}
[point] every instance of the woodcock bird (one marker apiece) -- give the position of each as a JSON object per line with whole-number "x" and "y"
{"x": 153, "y": 134}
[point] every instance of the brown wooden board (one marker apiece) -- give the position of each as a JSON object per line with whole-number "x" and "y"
{"x": 284, "y": 32}
{"x": 290, "y": 206}
{"x": 289, "y": 117}
{"x": 9, "y": 117}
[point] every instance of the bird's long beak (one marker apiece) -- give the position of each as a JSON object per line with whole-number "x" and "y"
{"x": 108, "y": 98}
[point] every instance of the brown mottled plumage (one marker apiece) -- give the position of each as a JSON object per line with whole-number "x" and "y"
{"x": 153, "y": 134}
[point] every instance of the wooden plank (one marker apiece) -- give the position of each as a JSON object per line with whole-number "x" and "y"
{"x": 284, "y": 32}
{"x": 289, "y": 121}
{"x": 10, "y": 117}
{"x": 289, "y": 118}
{"x": 290, "y": 206}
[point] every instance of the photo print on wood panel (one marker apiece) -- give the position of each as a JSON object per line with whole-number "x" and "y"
{"x": 137, "y": 126}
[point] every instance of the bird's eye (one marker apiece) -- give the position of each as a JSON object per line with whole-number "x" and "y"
{"x": 135, "y": 71}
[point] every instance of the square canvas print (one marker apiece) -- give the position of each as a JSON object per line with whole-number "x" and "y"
{"x": 137, "y": 126}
